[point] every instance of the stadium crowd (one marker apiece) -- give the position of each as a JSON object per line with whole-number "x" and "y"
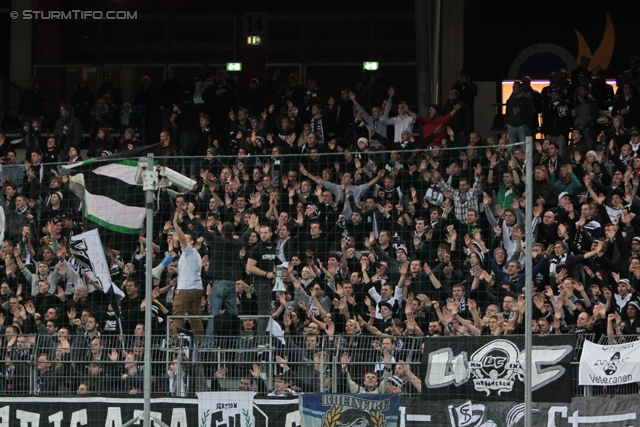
{"x": 379, "y": 226}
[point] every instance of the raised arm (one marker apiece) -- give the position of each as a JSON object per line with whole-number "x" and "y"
{"x": 373, "y": 182}
{"x": 181, "y": 236}
{"x": 306, "y": 173}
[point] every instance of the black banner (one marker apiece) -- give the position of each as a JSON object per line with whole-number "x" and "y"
{"x": 489, "y": 369}
{"x": 276, "y": 412}
{"x": 618, "y": 411}
{"x": 93, "y": 411}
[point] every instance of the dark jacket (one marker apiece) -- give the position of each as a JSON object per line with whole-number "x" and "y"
{"x": 33, "y": 102}
{"x": 556, "y": 118}
{"x": 200, "y": 141}
{"x": 526, "y": 111}
{"x": 548, "y": 191}
{"x": 170, "y": 93}
{"x": 73, "y": 137}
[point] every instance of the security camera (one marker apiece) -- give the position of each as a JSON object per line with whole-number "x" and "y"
{"x": 176, "y": 178}
{"x": 143, "y": 164}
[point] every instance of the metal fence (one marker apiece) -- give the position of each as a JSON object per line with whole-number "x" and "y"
{"x": 60, "y": 365}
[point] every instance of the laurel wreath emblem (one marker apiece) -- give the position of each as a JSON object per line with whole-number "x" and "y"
{"x": 378, "y": 419}
{"x": 331, "y": 417}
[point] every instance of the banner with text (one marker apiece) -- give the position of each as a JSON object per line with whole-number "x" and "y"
{"x": 93, "y": 411}
{"x": 610, "y": 364}
{"x": 335, "y": 410}
{"x": 485, "y": 368}
{"x": 600, "y": 411}
{"x": 236, "y": 407}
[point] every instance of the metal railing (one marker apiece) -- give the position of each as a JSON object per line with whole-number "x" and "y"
{"x": 69, "y": 365}
{"x": 246, "y": 361}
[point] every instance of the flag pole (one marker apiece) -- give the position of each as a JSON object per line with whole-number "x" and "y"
{"x": 148, "y": 290}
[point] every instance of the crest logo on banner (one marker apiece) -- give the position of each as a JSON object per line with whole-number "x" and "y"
{"x": 469, "y": 415}
{"x": 335, "y": 417}
{"x": 496, "y": 367}
{"x": 346, "y": 410}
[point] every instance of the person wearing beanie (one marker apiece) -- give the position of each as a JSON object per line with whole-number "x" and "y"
{"x": 129, "y": 140}
{"x": 624, "y": 295}
{"x": 631, "y": 314}
{"x": 635, "y": 248}
{"x": 394, "y": 385}
{"x": 102, "y": 141}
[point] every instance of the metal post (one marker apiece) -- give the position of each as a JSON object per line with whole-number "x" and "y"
{"x": 147, "y": 311}
{"x": 423, "y": 55}
{"x": 528, "y": 170}
{"x": 322, "y": 366}
{"x": 435, "y": 62}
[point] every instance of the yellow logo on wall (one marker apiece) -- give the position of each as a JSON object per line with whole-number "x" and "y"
{"x": 602, "y": 56}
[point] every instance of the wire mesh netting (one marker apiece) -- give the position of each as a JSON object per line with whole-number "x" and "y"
{"x": 280, "y": 273}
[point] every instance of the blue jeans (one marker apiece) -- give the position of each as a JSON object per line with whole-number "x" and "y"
{"x": 223, "y": 293}
{"x": 195, "y": 167}
{"x": 589, "y": 138}
{"x": 517, "y": 133}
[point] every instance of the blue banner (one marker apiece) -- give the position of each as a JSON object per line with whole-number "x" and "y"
{"x": 333, "y": 410}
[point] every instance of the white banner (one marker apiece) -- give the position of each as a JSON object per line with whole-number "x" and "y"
{"x": 610, "y": 364}
{"x": 89, "y": 259}
{"x": 231, "y": 408}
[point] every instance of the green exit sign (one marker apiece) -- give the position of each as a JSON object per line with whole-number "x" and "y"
{"x": 254, "y": 40}
{"x": 370, "y": 66}
{"x": 234, "y": 66}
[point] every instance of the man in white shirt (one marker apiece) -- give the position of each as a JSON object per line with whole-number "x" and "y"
{"x": 403, "y": 121}
{"x": 188, "y": 295}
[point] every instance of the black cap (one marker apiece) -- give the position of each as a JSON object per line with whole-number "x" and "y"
{"x": 66, "y": 215}
{"x": 385, "y": 304}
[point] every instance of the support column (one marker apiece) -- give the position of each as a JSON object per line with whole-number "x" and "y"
{"x": 452, "y": 45}
{"x": 21, "y": 56}
{"x": 423, "y": 55}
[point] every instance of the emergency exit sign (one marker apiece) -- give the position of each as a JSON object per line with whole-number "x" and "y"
{"x": 370, "y": 66}
{"x": 234, "y": 66}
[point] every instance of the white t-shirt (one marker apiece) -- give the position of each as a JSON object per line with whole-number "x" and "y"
{"x": 189, "y": 267}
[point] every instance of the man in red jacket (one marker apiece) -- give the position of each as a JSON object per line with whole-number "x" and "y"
{"x": 434, "y": 120}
